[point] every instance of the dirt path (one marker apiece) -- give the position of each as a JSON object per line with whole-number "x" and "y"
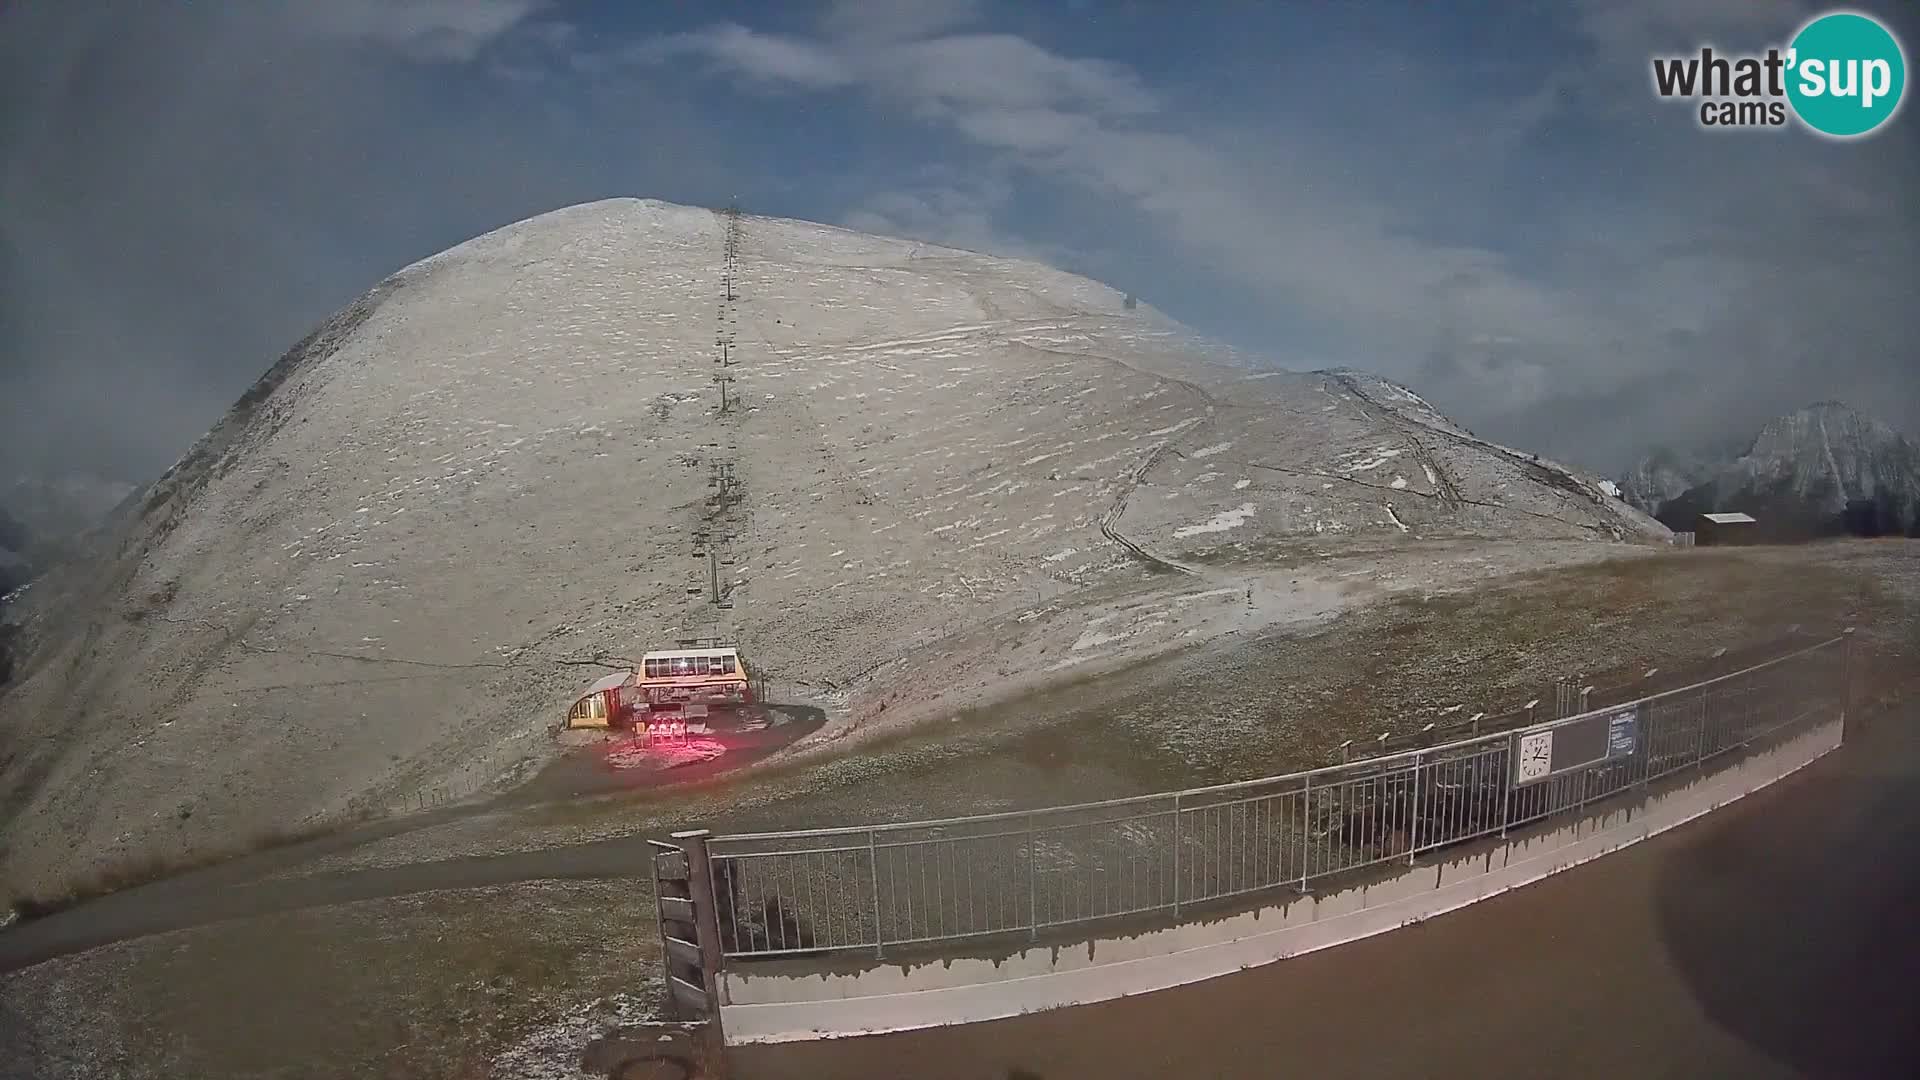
{"x": 196, "y": 900}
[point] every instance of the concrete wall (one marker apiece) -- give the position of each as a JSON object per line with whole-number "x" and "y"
{"x": 925, "y": 993}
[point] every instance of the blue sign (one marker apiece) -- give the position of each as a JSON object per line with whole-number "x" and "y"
{"x": 1621, "y": 727}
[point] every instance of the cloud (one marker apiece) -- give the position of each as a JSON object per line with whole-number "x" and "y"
{"x": 1640, "y": 28}
{"x": 896, "y": 20}
{"x": 762, "y": 58}
{"x": 429, "y": 30}
{"x": 951, "y": 75}
{"x": 1674, "y": 274}
{"x": 1087, "y": 122}
{"x": 954, "y": 209}
{"x": 1502, "y": 215}
{"x": 1001, "y": 71}
{"x": 184, "y": 194}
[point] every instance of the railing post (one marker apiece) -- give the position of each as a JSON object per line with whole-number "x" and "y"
{"x": 1748, "y": 713}
{"x": 1643, "y": 743}
{"x": 873, "y": 878}
{"x": 1306, "y": 826}
{"x": 1846, "y": 680}
{"x": 1506, "y": 784}
{"x": 1700, "y": 743}
{"x": 1176, "y": 854}
{"x": 706, "y": 929}
{"x": 1033, "y": 888}
{"x": 1413, "y": 825}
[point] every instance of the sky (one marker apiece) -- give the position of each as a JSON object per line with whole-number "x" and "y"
{"x": 1483, "y": 201}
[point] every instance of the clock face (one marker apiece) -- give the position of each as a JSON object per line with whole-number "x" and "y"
{"x": 1536, "y": 756}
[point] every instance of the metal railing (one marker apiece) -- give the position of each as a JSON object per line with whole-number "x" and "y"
{"x": 1023, "y": 873}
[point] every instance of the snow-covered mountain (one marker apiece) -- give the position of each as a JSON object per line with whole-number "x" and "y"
{"x": 1825, "y": 469}
{"x": 379, "y": 571}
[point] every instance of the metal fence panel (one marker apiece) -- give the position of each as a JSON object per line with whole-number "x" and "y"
{"x": 1024, "y": 872}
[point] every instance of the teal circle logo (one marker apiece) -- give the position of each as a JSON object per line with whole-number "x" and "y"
{"x": 1846, "y": 74}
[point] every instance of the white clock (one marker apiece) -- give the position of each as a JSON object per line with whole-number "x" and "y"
{"x": 1536, "y": 756}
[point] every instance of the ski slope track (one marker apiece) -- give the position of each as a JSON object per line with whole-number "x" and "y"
{"x": 396, "y": 560}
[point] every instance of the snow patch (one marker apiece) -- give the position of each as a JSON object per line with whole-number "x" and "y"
{"x": 1360, "y": 462}
{"x": 1220, "y": 522}
{"x": 1216, "y": 448}
{"x": 1093, "y": 639}
{"x": 1187, "y": 423}
{"x": 553, "y": 1051}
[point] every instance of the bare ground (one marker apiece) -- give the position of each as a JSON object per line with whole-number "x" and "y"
{"x": 1257, "y": 704}
{"x": 429, "y": 985}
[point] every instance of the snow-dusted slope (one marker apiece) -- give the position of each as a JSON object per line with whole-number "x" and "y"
{"x": 373, "y": 574}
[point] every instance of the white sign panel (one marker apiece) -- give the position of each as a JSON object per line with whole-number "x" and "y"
{"x": 1536, "y": 756}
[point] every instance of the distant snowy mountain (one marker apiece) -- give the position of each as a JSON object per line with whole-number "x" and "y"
{"x": 1825, "y": 469}
{"x": 41, "y": 516}
{"x": 15, "y": 570}
{"x": 50, "y": 508}
{"x": 1664, "y": 475}
{"x": 15, "y": 541}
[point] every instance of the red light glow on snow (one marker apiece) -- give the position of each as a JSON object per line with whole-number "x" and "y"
{"x": 663, "y": 746}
